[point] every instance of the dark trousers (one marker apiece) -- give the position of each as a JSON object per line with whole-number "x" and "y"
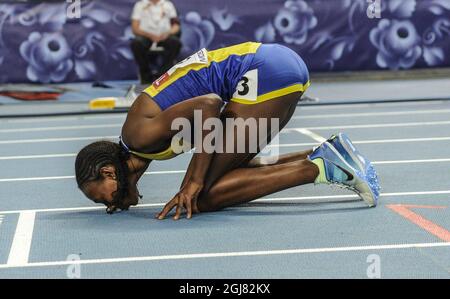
{"x": 144, "y": 58}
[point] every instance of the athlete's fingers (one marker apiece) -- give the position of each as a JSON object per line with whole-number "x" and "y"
{"x": 167, "y": 208}
{"x": 111, "y": 209}
{"x": 188, "y": 204}
{"x": 178, "y": 210}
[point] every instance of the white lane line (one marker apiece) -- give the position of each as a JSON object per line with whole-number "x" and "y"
{"x": 293, "y": 144}
{"x": 312, "y": 135}
{"x": 416, "y": 193}
{"x": 380, "y": 125}
{"x": 69, "y": 155}
{"x": 49, "y": 178}
{"x": 78, "y": 209}
{"x": 114, "y": 138}
{"x": 399, "y": 140}
{"x": 318, "y": 116}
{"x": 349, "y": 196}
{"x": 311, "y": 107}
{"x": 286, "y": 130}
{"x": 38, "y": 156}
{"x": 44, "y": 178}
{"x": 411, "y": 161}
{"x": 21, "y": 245}
{"x": 63, "y": 118}
{"x": 57, "y": 139}
{"x": 165, "y": 172}
{"x": 296, "y": 199}
{"x": 305, "y": 107}
{"x": 374, "y": 141}
{"x": 60, "y": 128}
{"x": 374, "y": 105}
{"x": 233, "y": 254}
{"x": 1, "y": 219}
{"x": 322, "y": 116}
{"x": 366, "y": 114}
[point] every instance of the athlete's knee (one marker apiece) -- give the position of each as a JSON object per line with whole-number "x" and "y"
{"x": 209, "y": 200}
{"x": 205, "y": 204}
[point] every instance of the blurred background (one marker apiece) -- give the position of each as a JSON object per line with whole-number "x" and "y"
{"x": 46, "y": 46}
{"x": 379, "y": 70}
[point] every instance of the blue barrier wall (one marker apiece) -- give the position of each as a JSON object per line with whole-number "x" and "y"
{"x": 39, "y": 43}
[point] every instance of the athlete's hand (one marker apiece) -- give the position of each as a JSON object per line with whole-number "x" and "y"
{"x": 186, "y": 199}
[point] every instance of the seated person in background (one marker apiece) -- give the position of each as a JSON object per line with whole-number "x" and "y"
{"x": 155, "y": 23}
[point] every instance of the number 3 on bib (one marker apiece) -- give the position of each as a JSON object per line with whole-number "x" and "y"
{"x": 247, "y": 88}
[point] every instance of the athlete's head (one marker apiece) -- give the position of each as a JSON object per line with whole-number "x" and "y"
{"x": 102, "y": 174}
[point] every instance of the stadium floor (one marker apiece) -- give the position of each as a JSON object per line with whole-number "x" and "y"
{"x": 304, "y": 232}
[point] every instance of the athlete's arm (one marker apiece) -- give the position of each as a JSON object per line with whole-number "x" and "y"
{"x": 150, "y": 132}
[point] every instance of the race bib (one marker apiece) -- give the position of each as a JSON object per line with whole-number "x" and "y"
{"x": 247, "y": 88}
{"x": 201, "y": 57}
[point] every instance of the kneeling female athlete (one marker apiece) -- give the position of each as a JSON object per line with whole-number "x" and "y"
{"x": 252, "y": 81}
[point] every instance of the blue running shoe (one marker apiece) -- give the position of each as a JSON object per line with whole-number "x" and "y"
{"x": 346, "y": 148}
{"x": 334, "y": 169}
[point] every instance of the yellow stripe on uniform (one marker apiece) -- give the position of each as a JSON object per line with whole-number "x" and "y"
{"x": 217, "y": 56}
{"x": 274, "y": 94}
{"x": 164, "y": 155}
{"x": 167, "y": 154}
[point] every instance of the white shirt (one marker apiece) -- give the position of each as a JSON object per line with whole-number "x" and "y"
{"x": 154, "y": 18}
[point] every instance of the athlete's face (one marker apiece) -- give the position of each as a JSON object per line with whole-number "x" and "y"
{"x": 104, "y": 191}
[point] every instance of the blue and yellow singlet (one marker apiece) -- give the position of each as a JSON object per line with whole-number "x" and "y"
{"x": 248, "y": 73}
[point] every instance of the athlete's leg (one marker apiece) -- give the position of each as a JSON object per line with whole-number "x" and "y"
{"x": 266, "y": 161}
{"x": 246, "y": 184}
{"x": 222, "y": 163}
{"x": 282, "y": 159}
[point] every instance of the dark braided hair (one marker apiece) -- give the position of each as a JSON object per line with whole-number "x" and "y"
{"x": 96, "y": 155}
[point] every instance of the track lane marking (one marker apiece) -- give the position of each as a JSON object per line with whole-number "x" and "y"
{"x": 312, "y": 135}
{"x": 72, "y": 177}
{"x": 163, "y": 172}
{"x": 56, "y": 139}
{"x": 374, "y": 141}
{"x": 231, "y": 254}
{"x": 45, "y": 156}
{"x": 427, "y": 225}
{"x": 299, "y": 199}
{"x": 333, "y": 115}
{"x": 63, "y": 118}
{"x": 21, "y": 245}
{"x": 60, "y": 128}
{"x": 379, "y": 125}
{"x": 365, "y": 114}
{"x": 286, "y": 130}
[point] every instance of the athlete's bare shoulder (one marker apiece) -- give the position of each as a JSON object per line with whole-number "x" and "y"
{"x": 145, "y": 106}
